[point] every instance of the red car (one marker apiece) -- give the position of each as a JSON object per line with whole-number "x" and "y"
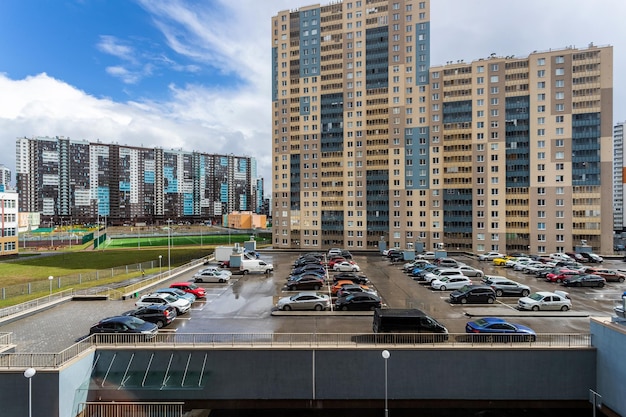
{"x": 190, "y": 288}
{"x": 560, "y": 276}
{"x": 337, "y": 260}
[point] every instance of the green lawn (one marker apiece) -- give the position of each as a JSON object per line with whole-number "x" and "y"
{"x": 160, "y": 241}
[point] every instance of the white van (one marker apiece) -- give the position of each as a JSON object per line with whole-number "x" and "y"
{"x": 255, "y": 265}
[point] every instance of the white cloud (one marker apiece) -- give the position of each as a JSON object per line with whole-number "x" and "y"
{"x": 235, "y": 39}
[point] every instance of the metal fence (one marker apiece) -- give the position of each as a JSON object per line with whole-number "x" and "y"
{"x": 75, "y": 279}
{"x": 290, "y": 341}
{"x": 130, "y": 409}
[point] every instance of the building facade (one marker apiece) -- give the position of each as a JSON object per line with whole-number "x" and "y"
{"x": 371, "y": 143}
{"x": 8, "y": 223}
{"x": 618, "y": 178}
{"x": 5, "y": 178}
{"x": 85, "y": 181}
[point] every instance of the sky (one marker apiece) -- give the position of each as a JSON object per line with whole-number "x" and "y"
{"x": 196, "y": 74}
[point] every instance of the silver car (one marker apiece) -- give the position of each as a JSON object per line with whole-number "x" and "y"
{"x": 504, "y": 286}
{"x": 304, "y": 301}
{"x": 545, "y": 300}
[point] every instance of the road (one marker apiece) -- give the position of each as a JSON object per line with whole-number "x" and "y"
{"x": 245, "y": 305}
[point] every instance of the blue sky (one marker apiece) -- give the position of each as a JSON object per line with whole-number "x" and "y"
{"x": 195, "y": 74}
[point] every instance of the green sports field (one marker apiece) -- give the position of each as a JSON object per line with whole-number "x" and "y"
{"x": 162, "y": 241}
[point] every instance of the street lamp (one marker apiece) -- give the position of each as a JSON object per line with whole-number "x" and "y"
{"x": 169, "y": 244}
{"x": 160, "y": 256}
{"x": 50, "y": 278}
{"x": 386, "y": 354}
{"x": 29, "y": 374}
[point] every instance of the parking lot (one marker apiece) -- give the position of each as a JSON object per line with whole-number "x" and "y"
{"x": 245, "y": 305}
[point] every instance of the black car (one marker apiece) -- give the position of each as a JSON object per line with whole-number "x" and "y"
{"x": 308, "y": 267}
{"x": 124, "y": 325}
{"x": 355, "y": 277}
{"x": 473, "y": 294}
{"x": 358, "y": 301}
{"x": 318, "y": 274}
{"x": 306, "y": 282}
{"x": 586, "y": 280}
{"x": 161, "y": 315}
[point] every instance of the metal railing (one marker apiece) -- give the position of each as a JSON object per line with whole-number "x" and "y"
{"x": 291, "y": 341}
{"x": 130, "y": 409}
{"x": 36, "y": 303}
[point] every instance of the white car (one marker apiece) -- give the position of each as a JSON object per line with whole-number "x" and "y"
{"x": 469, "y": 271}
{"x": 426, "y": 255}
{"x": 511, "y": 262}
{"x": 209, "y": 275}
{"x": 439, "y": 273}
{"x": 560, "y": 257}
{"x": 544, "y": 300}
{"x": 346, "y": 266}
{"x": 217, "y": 269}
{"x": 490, "y": 256}
{"x": 409, "y": 266}
{"x": 520, "y": 265}
{"x": 181, "y": 305}
{"x": 453, "y": 282}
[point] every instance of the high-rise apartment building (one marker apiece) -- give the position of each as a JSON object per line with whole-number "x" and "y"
{"x": 64, "y": 178}
{"x": 618, "y": 178}
{"x": 371, "y": 143}
{"x": 5, "y": 178}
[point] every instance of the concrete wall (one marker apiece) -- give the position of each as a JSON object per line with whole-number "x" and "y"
{"x": 422, "y": 374}
{"x": 610, "y": 341}
{"x": 228, "y": 376}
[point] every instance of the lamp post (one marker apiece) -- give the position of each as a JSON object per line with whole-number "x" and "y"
{"x": 29, "y": 374}
{"x": 386, "y": 354}
{"x": 169, "y": 244}
{"x": 160, "y": 256}
{"x": 50, "y": 278}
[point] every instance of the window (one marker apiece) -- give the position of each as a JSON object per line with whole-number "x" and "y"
{"x": 541, "y": 61}
{"x": 560, "y": 95}
{"x": 559, "y": 59}
{"x": 559, "y": 71}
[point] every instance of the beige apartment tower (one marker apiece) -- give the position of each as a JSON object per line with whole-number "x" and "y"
{"x": 371, "y": 144}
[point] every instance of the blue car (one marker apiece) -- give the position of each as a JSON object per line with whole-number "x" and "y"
{"x": 421, "y": 271}
{"x": 494, "y": 329}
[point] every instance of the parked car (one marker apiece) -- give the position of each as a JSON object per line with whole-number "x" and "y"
{"x": 560, "y": 256}
{"x": 210, "y": 275}
{"x": 355, "y": 277}
{"x": 190, "y": 288}
{"x": 607, "y": 274}
{"x": 346, "y": 266}
{"x": 353, "y": 288}
{"x": 304, "y": 301}
{"x": 561, "y": 275}
{"x": 501, "y": 261}
{"x": 450, "y": 282}
{"x": 576, "y": 256}
{"x": 336, "y": 260}
{"x": 177, "y": 293}
{"x": 308, "y": 267}
{"x": 426, "y": 255}
{"x": 545, "y": 300}
{"x": 473, "y": 294}
{"x": 469, "y": 271}
{"x": 124, "y": 325}
{"x": 584, "y": 280}
{"x": 499, "y": 330}
{"x": 504, "y": 286}
{"x": 217, "y": 269}
{"x": 161, "y": 315}
{"x": 441, "y": 272}
{"x": 306, "y": 282}
{"x": 513, "y": 261}
{"x": 592, "y": 257}
{"x": 358, "y": 301}
{"x": 315, "y": 273}
{"x": 490, "y": 256}
{"x": 409, "y": 266}
{"x": 419, "y": 272}
{"x": 337, "y": 285}
{"x": 182, "y": 305}
{"x": 396, "y": 257}
{"x": 446, "y": 263}
{"x": 334, "y": 251}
